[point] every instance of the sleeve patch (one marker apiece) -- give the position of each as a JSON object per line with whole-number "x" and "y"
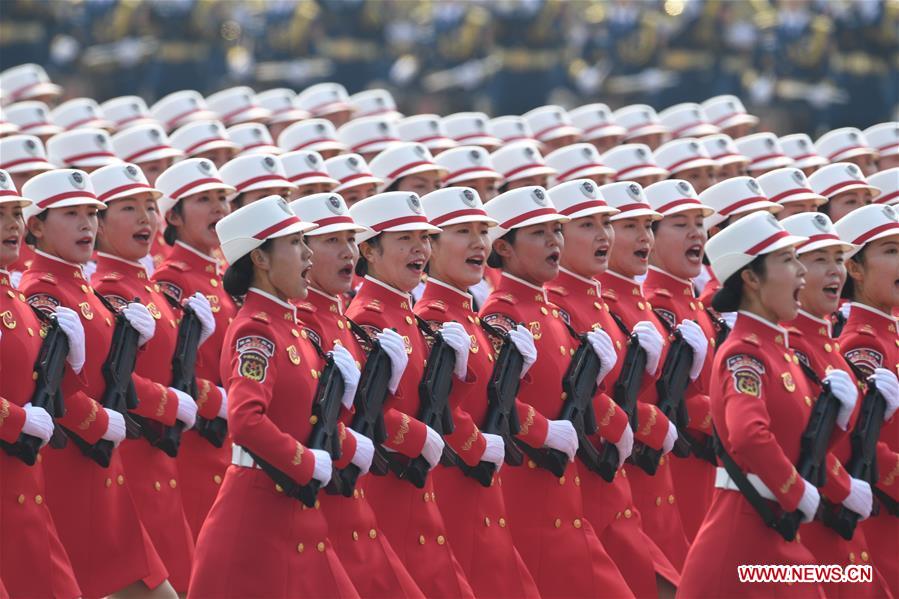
{"x": 256, "y": 344}
{"x": 44, "y": 302}
{"x": 865, "y": 358}
{"x": 565, "y": 316}
{"x": 253, "y": 366}
{"x": 118, "y": 302}
{"x": 668, "y": 316}
{"x": 503, "y": 323}
{"x": 314, "y": 336}
{"x": 372, "y": 332}
{"x": 746, "y": 372}
{"x": 170, "y": 289}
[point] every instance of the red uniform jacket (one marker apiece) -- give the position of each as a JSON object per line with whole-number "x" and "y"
{"x": 92, "y": 507}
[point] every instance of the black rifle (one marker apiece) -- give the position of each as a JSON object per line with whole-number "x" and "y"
{"x": 119, "y": 395}
{"x": 502, "y": 417}
{"x": 50, "y": 368}
{"x": 862, "y": 461}
{"x": 325, "y": 417}
{"x": 434, "y": 410}
{"x": 671, "y": 387}
{"x": 839, "y": 321}
{"x": 626, "y": 390}
{"x": 723, "y": 330}
{"x": 368, "y": 419}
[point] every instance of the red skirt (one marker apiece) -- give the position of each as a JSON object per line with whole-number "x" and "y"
{"x": 558, "y": 544}
{"x": 734, "y": 534}
{"x": 98, "y": 523}
{"x": 201, "y": 470}
{"x": 416, "y": 531}
{"x": 157, "y": 494}
{"x": 694, "y": 481}
{"x": 654, "y": 497}
{"x": 830, "y": 548}
{"x": 33, "y": 562}
{"x": 882, "y": 535}
{"x": 482, "y": 540}
{"x": 256, "y": 542}
{"x": 364, "y": 550}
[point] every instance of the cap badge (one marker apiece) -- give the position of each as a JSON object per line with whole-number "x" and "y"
{"x": 769, "y": 143}
{"x": 335, "y": 205}
{"x": 633, "y": 190}
{"x": 753, "y": 186}
{"x": 684, "y": 187}
{"x": 100, "y": 140}
{"x": 205, "y": 167}
{"x": 414, "y": 204}
{"x": 468, "y": 198}
{"x": 132, "y": 173}
{"x": 475, "y": 157}
{"x": 820, "y": 222}
{"x": 31, "y": 147}
{"x": 268, "y": 163}
{"x": 77, "y": 180}
{"x": 799, "y": 177}
{"x": 4, "y": 181}
{"x": 284, "y": 207}
{"x": 588, "y": 189}
{"x": 312, "y": 160}
{"x": 853, "y": 171}
{"x": 353, "y": 163}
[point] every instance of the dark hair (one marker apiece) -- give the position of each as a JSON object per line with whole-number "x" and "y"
{"x": 503, "y": 188}
{"x": 237, "y": 201}
{"x": 727, "y": 299}
{"x": 239, "y": 276}
{"x": 29, "y": 238}
{"x": 394, "y": 186}
{"x": 361, "y": 268}
{"x": 170, "y": 234}
{"x": 494, "y": 260}
{"x": 825, "y": 208}
{"x": 848, "y": 291}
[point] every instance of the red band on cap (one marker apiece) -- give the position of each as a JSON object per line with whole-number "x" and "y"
{"x": 396, "y": 222}
{"x": 326, "y": 104}
{"x": 307, "y": 175}
{"x": 864, "y": 237}
{"x": 527, "y": 215}
{"x": 47, "y": 202}
{"x": 395, "y": 174}
{"x": 334, "y": 220}
{"x": 804, "y": 156}
{"x": 643, "y": 125}
{"x": 244, "y": 184}
{"x": 589, "y": 130}
{"x": 520, "y": 169}
{"x": 886, "y": 198}
{"x": 234, "y": 113}
{"x": 80, "y": 122}
{"x": 790, "y": 192}
{"x": 757, "y": 248}
{"x": 840, "y": 151}
{"x": 39, "y": 124}
{"x": 432, "y": 138}
{"x": 634, "y": 206}
{"x": 306, "y": 144}
{"x": 766, "y": 157}
{"x": 546, "y": 130}
{"x": 181, "y": 191}
{"x": 841, "y": 185}
{"x": 355, "y": 176}
{"x": 675, "y": 203}
{"x": 170, "y": 124}
{"x": 8, "y": 192}
{"x": 683, "y": 128}
{"x": 473, "y": 135}
{"x": 146, "y": 151}
{"x": 7, "y": 165}
{"x": 671, "y": 167}
{"x": 633, "y": 168}
{"x": 818, "y": 237}
{"x": 115, "y": 190}
{"x": 376, "y": 140}
{"x": 888, "y": 146}
{"x": 203, "y": 142}
{"x": 16, "y": 94}
{"x": 77, "y": 157}
{"x": 465, "y": 171}
{"x": 564, "y": 176}
{"x": 744, "y": 202}
{"x": 726, "y": 154}
{"x": 456, "y": 214}
{"x": 730, "y": 115}
{"x": 131, "y": 118}
{"x": 583, "y": 206}
{"x": 269, "y": 231}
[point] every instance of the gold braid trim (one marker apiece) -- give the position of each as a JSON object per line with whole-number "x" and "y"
{"x": 160, "y": 409}
{"x": 653, "y": 417}
{"x": 890, "y": 478}
{"x": 529, "y": 421}
{"x": 607, "y": 417}
{"x": 4, "y": 410}
{"x": 470, "y": 441}
{"x": 85, "y": 424}
{"x": 404, "y": 428}
{"x": 202, "y": 393}
{"x": 298, "y": 456}
{"x": 784, "y": 488}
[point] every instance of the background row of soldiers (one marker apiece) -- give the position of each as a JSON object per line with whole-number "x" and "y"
{"x": 797, "y": 61}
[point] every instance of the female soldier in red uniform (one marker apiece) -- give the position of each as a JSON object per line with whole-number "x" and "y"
{"x": 394, "y": 252}
{"x": 629, "y": 258}
{"x": 257, "y": 541}
{"x": 476, "y": 514}
{"x": 758, "y": 411}
{"x": 92, "y": 507}
{"x": 127, "y": 227}
{"x": 870, "y": 342}
{"x": 546, "y": 512}
{"x": 811, "y": 340}
{"x": 33, "y": 561}
{"x": 194, "y": 200}
{"x": 364, "y": 549}
{"x": 609, "y": 506}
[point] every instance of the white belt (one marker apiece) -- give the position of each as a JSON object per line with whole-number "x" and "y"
{"x": 724, "y": 481}
{"x": 240, "y": 457}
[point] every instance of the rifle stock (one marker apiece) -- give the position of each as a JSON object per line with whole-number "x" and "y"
{"x": 625, "y": 393}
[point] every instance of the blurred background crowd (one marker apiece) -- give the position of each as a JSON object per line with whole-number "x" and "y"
{"x": 801, "y": 65}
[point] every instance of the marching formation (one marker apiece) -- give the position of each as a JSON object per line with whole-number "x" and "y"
{"x": 303, "y": 345}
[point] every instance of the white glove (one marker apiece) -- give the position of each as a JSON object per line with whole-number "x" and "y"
{"x": 89, "y": 269}
{"x": 200, "y": 304}
{"x": 670, "y": 438}
{"x": 321, "y": 471}
{"x": 860, "y": 499}
{"x": 70, "y": 323}
{"x": 345, "y": 363}
{"x": 115, "y": 430}
{"x": 15, "y": 278}
{"x": 560, "y": 434}
{"x": 139, "y": 317}
{"x": 888, "y": 386}
{"x": 845, "y": 309}
{"x": 187, "y": 409}
{"x": 652, "y": 342}
{"x": 365, "y": 452}
{"x": 457, "y": 338}
{"x": 38, "y": 423}
{"x": 223, "y": 409}
{"x": 495, "y": 451}
{"x": 808, "y": 505}
{"x": 395, "y": 347}
{"x": 729, "y": 318}
{"x": 604, "y": 350}
{"x": 844, "y": 389}
{"x": 433, "y": 448}
{"x": 625, "y": 445}
{"x": 524, "y": 342}
{"x": 696, "y": 339}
